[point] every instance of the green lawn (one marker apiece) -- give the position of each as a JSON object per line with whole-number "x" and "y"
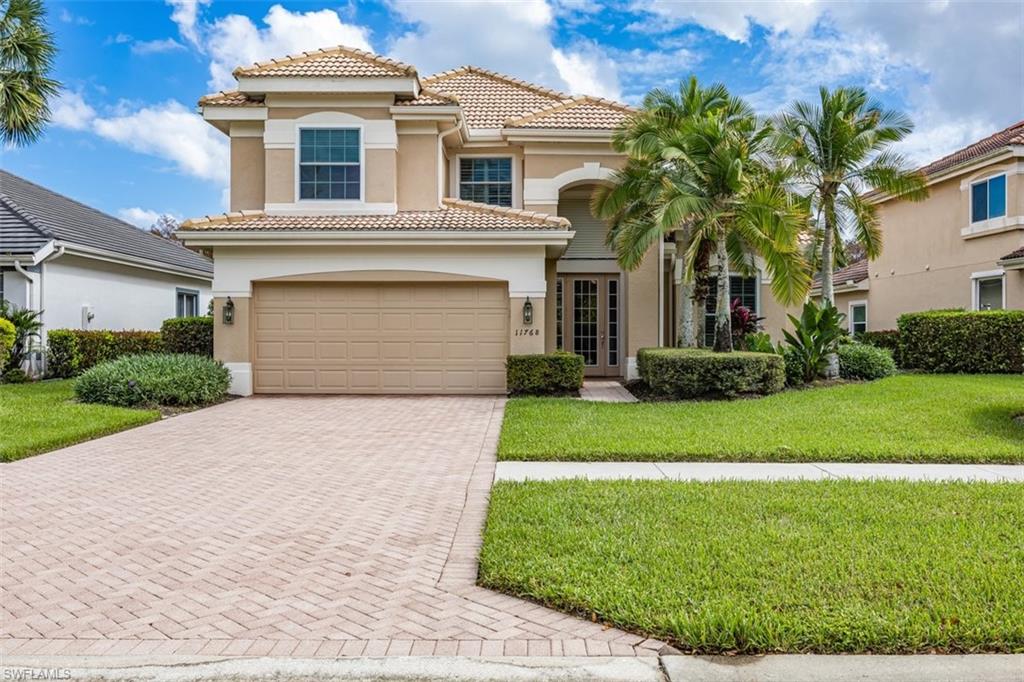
{"x": 823, "y": 566}
{"x": 43, "y": 416}
{"x": 906, "y": 418}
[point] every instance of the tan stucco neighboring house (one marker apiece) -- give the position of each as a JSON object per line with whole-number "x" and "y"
{"x": 962, "y": 247}
{"x": 393, "y": 233}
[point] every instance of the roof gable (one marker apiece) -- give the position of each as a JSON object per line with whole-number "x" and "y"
{"x": 489, "y": 98}
{"x": 55, "y": 216}
{"x": 333, "y": 62}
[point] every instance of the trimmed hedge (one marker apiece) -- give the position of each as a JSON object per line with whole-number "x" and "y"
{"x": 155, "y": 379}
{"x": 72, "y": 351}
{"x": 684, "y": 373}
{"x": 555, "y": 373}
{"x": 984, "y": 342}
{"x": 883, "y": 338}
{"x": 188, "y": 335}
{"x": 7, "y": 336}
{"x": 864, "y": 361}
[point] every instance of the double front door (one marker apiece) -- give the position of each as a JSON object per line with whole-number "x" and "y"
{"x": 590, "y": 321}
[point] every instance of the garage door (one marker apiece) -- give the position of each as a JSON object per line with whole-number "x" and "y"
{"x": 349, "y": 337}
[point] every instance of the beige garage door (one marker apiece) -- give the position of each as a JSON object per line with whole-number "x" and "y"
{"x": 348, "y": 337}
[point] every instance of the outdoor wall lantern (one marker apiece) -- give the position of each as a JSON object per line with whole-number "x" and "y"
{"x": 527, "y": 312}
{"x": 228, "y": 311}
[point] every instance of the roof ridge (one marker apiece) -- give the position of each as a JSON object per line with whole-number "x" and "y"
{"x": 30, "y": 219}
{"x": 369, "y": 57}
{"x": 36, "y": 221}
{"x": 532, "y": 216}
{"x": 221, "y": 218}
{"x": 469, "y": 68}
{"x": 961, "y": 150}
{"x": 575, "y": 101}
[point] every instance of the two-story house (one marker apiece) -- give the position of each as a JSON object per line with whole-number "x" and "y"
{"x": 397, "y": 234}
{"x": 962, "y": 247}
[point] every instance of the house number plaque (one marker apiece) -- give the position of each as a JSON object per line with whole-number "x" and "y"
{"x": 523, "y": 331}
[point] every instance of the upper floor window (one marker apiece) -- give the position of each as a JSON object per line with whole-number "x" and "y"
{"x": 187, "y": 303}
{"x": 486, "y": 180}
{"x": 329, "y": 163}
{"x": 988, "y": 199}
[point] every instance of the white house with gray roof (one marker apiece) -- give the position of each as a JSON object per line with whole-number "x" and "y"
{"x": 87, "y": 270}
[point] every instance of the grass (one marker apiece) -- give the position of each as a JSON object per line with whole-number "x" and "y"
{"x": 906, "y": 418}
{"x": 756, "y": 567}
{"x": 43, "y": 416}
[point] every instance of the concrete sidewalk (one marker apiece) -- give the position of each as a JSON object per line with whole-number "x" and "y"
{"x": 754, "y": 471}
{"x": 778, "y": 668}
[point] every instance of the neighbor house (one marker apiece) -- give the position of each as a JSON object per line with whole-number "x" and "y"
{"x": 391, "y": 233}
{"x": 85, "y": 269}
{"x": 962, "y": 247}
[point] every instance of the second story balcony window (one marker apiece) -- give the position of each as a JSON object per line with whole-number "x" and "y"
{"x": 487, "y": 180}
{"x": 988, "y": 199}
{"x": 329, "y": 164}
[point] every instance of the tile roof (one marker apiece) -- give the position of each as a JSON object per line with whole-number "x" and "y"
{"x": 1004, "y": 138}
{"x": 1019, "y": 253}
{"x": 429, "y": 98}
{"x": 489, "y": 99}
{"x": 332, "y": 62}
{"x": 854, "y": 272}
{"x": 31, "y": 215}
{"x": 230, "y": 98}
{"x": 579, "y": 112}
{"x": 456, "y": 215}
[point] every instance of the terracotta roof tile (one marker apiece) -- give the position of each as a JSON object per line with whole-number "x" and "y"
{"x": 456, "y": 215}
{"x": 429, "y": 98}
{"x": 333, "y": 62}
{"x": 1019, "y": 253}
{"x": 577, "y": 113}
{"x": 854, "y": 272}
{"x": 1004, "y": 138}
{"x": 489, "y": 99}
{"x": 230, "y": 98}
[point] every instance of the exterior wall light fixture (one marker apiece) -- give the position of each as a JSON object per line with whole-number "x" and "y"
{"x": 527, "y": 312}
{"x": 228, "y": 311}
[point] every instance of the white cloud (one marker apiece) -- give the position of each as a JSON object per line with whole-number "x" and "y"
{"x": 119, "y": 39}
{"x": 143, "y": 47}
{"x": 186, "y": 16}
{"x": 69, "y": 18}
{"x": 587, "y": 72}
{"x": 71, "y": 111}
{"x": 139, "y": 217}
{"x": 235, "y": 40}
{"x": 734, "y": 19}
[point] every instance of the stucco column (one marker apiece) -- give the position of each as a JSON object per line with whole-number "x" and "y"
{"x": 550, "y": 311}
{"x": 231, "y": 343}
{"x": 642, "y": 308}
{"x": 526, "y": 339}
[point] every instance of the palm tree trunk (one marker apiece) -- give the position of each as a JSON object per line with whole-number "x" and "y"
{"x": 684, "y": 306}
{"x": 723, "y": 319}
{"x": 828, "y": 296}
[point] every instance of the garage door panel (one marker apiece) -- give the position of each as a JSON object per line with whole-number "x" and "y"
{"x": 380, "y": 338}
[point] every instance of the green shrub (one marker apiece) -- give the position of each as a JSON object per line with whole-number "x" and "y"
{"x": 544, "y": 373}
{"x": 815, "y": 336}
{"x": 14, "y": 375}
{"x": 684, "y": 373}
{"x": 154, "y": 379}
{"x": 7, "y": 336}
{"x": 27, "y": 325}
{"x": 864, "y": 361}
{"x": 984, "y": 342}
{"x": 188, "y": 335}
{"x": 72, "y": 351}
{"x": 883, "y": 338}
{"x": 794, "y": 365}
{"x": 758, "y": 342}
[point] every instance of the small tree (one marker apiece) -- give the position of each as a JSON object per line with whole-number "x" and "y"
{"x": 164, "y": 226}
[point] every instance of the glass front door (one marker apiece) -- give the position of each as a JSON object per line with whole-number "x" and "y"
{"x": 589, "y": 310}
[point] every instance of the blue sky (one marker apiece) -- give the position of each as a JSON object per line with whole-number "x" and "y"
{"x": 125, "y": 136}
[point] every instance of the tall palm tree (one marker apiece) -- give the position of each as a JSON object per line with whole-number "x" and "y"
{"x": 838, "y": 149}
{"x": 707, "y": 172}
{"x": 26, "y": 57}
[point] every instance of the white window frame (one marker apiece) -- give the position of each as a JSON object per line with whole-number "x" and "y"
{"x": 970, "y": 198}
{"x": 517, "y": 193}
{"x": 178, "y": 292}
{"x": 978, "y": 277}
{"x": 849, "y": 315}
{"x": 362, "y": 165}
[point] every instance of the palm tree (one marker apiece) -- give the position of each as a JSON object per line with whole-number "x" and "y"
{"x": 26, "y": 57}
{"x": 707, "y": 172}
{"x": 838, "y": 149}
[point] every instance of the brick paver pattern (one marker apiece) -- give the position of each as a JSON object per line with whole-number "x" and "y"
{"x": 285, "y": 526}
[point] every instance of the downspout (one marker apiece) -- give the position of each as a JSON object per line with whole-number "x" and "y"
{"x": 441, "y": 158}
{"x": 42, "y": 299}
{"x": 33, "y": 283}
{"x": 35, "y": 294}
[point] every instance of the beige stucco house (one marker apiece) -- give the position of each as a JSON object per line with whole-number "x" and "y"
{"x": 399, "y": 234}
{"x": 962, "y": 247}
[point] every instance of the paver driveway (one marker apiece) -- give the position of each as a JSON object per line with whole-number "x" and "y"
{"x": 305, "y": 526}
